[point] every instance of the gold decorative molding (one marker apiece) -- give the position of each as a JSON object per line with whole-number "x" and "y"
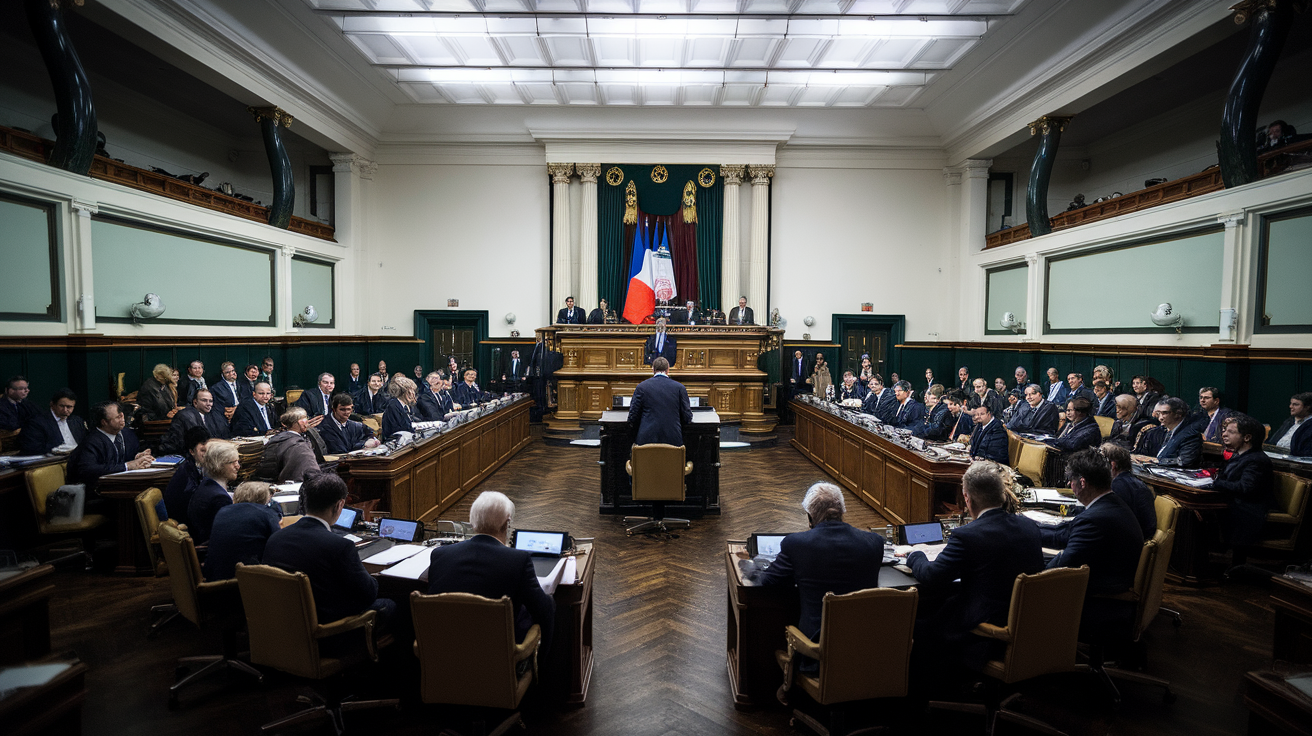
{"x": 732, "y": 173}
{"x": 631, "y": 204}
{"x": 760, "y": 173}
{"x": 1246, "y": 9}
{"x": 1046, "y": 124}
{"x": 276, "y": 114}
{"x": 614, "y": 176}
{"x": 706, "y": 178}
{"x": 560, "y": 173}
{"x": 588, "y": 173}
{"x": 660, "y": 174}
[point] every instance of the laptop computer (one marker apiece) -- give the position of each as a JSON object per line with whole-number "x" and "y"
{"x": 545, "y": 547}
{"x": 765, "y": 544}
{"x": 404, "y": 531}
{"x": 929, "y": 532}
{"x": 346, "y": 520}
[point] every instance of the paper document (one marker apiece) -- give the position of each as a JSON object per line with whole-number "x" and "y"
{"x": 394, "y": 554}
{"x": 1042, "y": 517}
{"x": 352, "y": 538}
{"x": 1053, "y": 495}
{"x": 552, "y": 579}
{"x": 411, "y": 568}
{"x": 931, "y": 550}
{"x": 292, "y": 487}
{"x": 30, "y": 676}
{"x": 571, "y": 571}
{"x": 137, "y": 472}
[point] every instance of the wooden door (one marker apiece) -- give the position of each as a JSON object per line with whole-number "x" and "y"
{"x": 859, "y": 341}
{"x": 457, "y": 341}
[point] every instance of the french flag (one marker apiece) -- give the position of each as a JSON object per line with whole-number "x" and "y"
{"x": 641, "y": 300}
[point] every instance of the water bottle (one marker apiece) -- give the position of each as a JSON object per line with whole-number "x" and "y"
{"x": 890, "y": 533}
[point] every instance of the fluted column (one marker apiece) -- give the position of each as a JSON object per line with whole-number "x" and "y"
{"x": 562, "y": 265}
{"x": 587, "y": 296}
{"x": 758, "y": 258}
{"x": 731, "y": 265}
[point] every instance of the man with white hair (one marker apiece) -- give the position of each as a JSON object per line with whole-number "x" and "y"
{"x": 484, "y": 565}
{"x": 831, "y": 557}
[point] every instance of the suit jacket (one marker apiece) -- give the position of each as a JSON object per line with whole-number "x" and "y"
{"x": 155, "y": 400}
{"x": 883, "y": 405}
{"x": 97, "y": 456}
{"x": 1301, "y": 444}
{"x": 800, "y": 374}
{"x": 964, "y": 424}
{"x": 1210, "y": 427}
{"x": 41, "y": 433}
{"x": 1106, "y": 537}
{"x": 1248, "y": 483}
{"x": 856, "y": 392}
{"x": 428, "y": 408}
{"x": 205, "y": 503}
{"x": 341, "y": 585}
{"x": 239, "y": 534}
{"x": 466, "y": 395}
{"x": 247, "y": 422}
{"x": 1139, "y": 498}
{"x": 396, "y": 418}
{"x": 1078, "y": 436}
{"x": 595, "y": 317}
{"x": 312, "y": 402}
{"x": 172, "y": 442}
{"x": 831, "y": 557}
{"x": 483, "y": 566}
{"x": 1042, "y": 419}
{"x": 268, "y": 378}
{"x": 177, "y": 494}
{"x": 936, "y": 424}
{"x": 571, "y": 317}
{"x": 1085, "y": 392}
{"x": 669, "y": 350}
{"x": 516, "y": 373}
{"x": 13, "y": 415}
{"x": 1062, "y": 393}
{"x": 375, "y": 405}
{"x": 1147, "y": 403}
{"x": 353, "y": 386}
{"x": 749, "y": 317}
{"x": 684, "y": 317}
{"x": 659, "y": 410}
{"x": 1124, "y": 433}
{"x": 340, "y": 440}
{"x": 245, "y": 389}
{"x": 909, "y": 414}
{"x": 187, "y": 388}
{"x": 224, "y": 396}
{"x": 1106, "y": 407}
{"x": 1183, "y": 448}
{"x": 989, "y": 441}
{"x": 992, "y": 400}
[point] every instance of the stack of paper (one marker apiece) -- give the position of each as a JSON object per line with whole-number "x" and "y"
{"x": 411, "y": 568}
{"x": 1042, "y": 517}
{"x": 552, "y": 579}
{"x": 931, "y": 550}
{"x": 395, "y": 554}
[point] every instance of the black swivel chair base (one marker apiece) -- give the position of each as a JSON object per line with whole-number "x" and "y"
{"x": 332, "y": 708}
{"x": 161, "y": 616}
{"x": 658, "y": 523}
{"x": 475, "y": 722}
{"x": 209, "y": 665}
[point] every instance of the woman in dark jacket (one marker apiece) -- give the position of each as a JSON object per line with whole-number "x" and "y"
{"x": 158, "y": 396}
{"x": 399, "y": 414}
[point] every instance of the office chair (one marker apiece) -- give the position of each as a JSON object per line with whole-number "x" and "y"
{"x": 285, "y": 634}
{"x": 658, "y": 473}
{"x": 1105, "y": 425}
{"x": 1168, "y": 515}
{"x": 494, "y": 673}
{"x": 864, "y": 653}
{"x": 1287, "y": 513}
{"x": 1031, "y": 459}
{"x": 41, "y": 483}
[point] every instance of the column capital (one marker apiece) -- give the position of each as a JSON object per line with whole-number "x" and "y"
{"x": 85, "y": 209}
{"x": 951, "y": 176}
{"x": 976, "y": 168}
{"x": 278, "y": 115}
{"x": 732, "y": 173}
{"x": 560, "y": 172}
{"x": 1032, "y": 259}
{"x": 1048, "y": 123}
{"x": 353, "y": 163}
{"x": 289, "y": 251}
{"x": 760, "y": 173}
{"x": 588, "y": 173}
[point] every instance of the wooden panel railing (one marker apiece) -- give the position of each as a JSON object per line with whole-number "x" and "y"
{"x": 36, "y": 148}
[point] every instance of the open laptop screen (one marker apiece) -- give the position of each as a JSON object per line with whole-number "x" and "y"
{"x": 399, "y": 529}
{"x": 547, "y": 544}
{"x": 346, "y": 520}
{"x": 930, "y": 532}
{"x": 765, "y": 545}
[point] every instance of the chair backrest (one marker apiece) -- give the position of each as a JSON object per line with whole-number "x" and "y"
{"x": 658, "y": 472}
{"x": 1031, "y": 461}
{"x": 294, "y": 395}
{"x": 1168, "y": 513}
{"x": 280, "y": 619}
{"x": 184, "y": 570}
{"x": 1150, "y": 578}
{"x": 1014, "y": 445}
{"x": 477, "y": 633}
{"x": 146, "y": 502}
{"x": 865, "y": 644}
{"x": 41, "y": 482}
{"x": 1044, "y": 621}
{"x": 9, "y": 441}
{"x": 1290, "y": 494}
{"x": 1105, "y": 425}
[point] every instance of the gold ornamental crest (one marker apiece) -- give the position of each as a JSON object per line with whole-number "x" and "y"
{"x": 614, "y": 176}
{"x": 660, "y": 174}
{"x": 706, "y": 178}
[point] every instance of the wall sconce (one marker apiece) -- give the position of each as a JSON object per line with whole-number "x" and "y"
{"x": 1010, "y": 322}
{"x": 151, "y": 308}
{"x": 1165, "y": 316}
{"x": 306, "y": 316}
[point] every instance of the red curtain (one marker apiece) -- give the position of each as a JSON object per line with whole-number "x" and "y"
{"x": 683, "y": 250}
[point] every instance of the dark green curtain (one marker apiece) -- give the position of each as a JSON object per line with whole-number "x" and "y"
{"x": 710, "y": 231}
{"x": 612, "y": 246}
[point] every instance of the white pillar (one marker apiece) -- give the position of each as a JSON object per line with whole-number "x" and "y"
{"x": 82, "y": 312}
{"x": 587, "y": 296}
{"x": 286, "y": 309}
{"x": 731, "y": 262}
{"x": 1238, "y": 279}
{"x": 758, "y": 266}
{"x": 951, "y": 299}
{"x": 972, "y": 222}
{"x": 351, "y": 174}
{"x": 562, "y": 266}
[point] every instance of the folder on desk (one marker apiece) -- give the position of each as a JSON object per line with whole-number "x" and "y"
{"x": 551, "y": 579}
{"x": 411, "y": 568}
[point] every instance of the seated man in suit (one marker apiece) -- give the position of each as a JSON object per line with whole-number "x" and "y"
{"x": 266, "y": 370}
{"x": 514, "y": 376}
{"x": 338, "y": 580}
{"x": 598, "y": 316}
{"x": 1247, "y": 481}
{"x": 468, "y": 393}
{"x": 400, "y": 412}
{"x": 962, "y": 421}
{"x": 879, "y": 401}
{"x": 659, "y": 408}
{"x": 1211, "y": 417}
{"x": 340, "y": 434}
{"x": 830, "y": 557}
{"x": 354, "y": 382}
{"x": 688, "y": 315}
{"x": 373, "y": 399}
{"x": 963, "y": 379}
{"x": 1145, "y": 396}
{"x": 44, "y": 431}
{"x": 938, "y": 421}
{"x": 240, "y": 531}
{"x": 909, "y": 411}
{"x": 570, "y": 315}
{"x": 1022, "y": 378}
{"x": 660, "y": 345}
{"x": 246, "y": 386}
{"x": 1126, "y": 428}
{"x": 187, "y": 474}
{"x": 989, "y": 396}
{"x": 1180, "y": 447}
{"x": 14, "y": 406}
{"x": 1104, "y": 401}
{"x": 1055, "y": 390}
{"x": 254, "y": 416}
{"x": 988, "y": 440}
{"x": 221, "y": 466}
{"x": 1106, "y": 537}
{"x": 195, "y": 381}
{"x": 801, "y": 371}
{"x": 483, "y": 565}
{"x": 109, "y": 448}
{"x": 742, "y": 314}
{"x": 428, "y": 407}
{"x": 1081, "y": 431}
{"x": 289, "y": 455}
{"x": 850, "y": 389}
{"x": 1075, "y": 381}
{"x": 1295, "y": 435}
{"x": 985, "y": 556}
{"x": 226, "y": 391}
{"x": 200, "y": 414}
{"x": 382, "y": 371}
{"x": 1135, "y": 493}
{"x": 316, "y": 403}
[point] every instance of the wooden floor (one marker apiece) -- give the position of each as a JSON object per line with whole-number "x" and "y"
{"x": 659, "y": 630}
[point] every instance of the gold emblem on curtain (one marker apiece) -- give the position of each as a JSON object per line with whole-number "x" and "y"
{"x": 706, "y": 178}
{"x": 689, "y": 202}
{"x": 614, "y": 176}
{"x": 631, "y": 204}
{"x": 660, "y": 174}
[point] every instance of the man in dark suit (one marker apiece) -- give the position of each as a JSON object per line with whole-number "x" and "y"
{"x": 963, "y": 379}
{"x": 1247, "y": 481}
{"x": 341, "y": 585}
{"x": 742, "y": 314}
{"x": 514, "y": 374}
{"x": 570, "y": 315}
{"x": 962, "y": 419}
{"x": 909, "y": 411}
{"x": 226, "y": 391}
{"x": 46, "y": 430}
{"x": 1037, "y": 416}
{"x": 938, "y": 420}
{"x": 1211, "y": 417}
{"x": 483, "y": 565}
{"x": 266, "y": 370}
{"x": 1294, "y": 436}
{"x": 850, "y": 388}
{"x": 246, "y": 386}
{"x": 193, "y": 382}
{"x": 354, "y": 382}
{"x": 1105, "y": 536}
{"x": 340, "y": 434}
{"x": 373, "y": 399}
{"x": 240, "y": 531}
{"x": 1104, "y": 401}
{"x": 1128, "y": 425}
{"x": 880, "y": 401}
{"x": 1076, "y": 387}
{"x": 598, "y": 316}
{"x": 109, "y": 448}
{"x": 1022, "y": 378}
{"x": 985, "y": 555}
{"x": 1081, "y": 431}
{"x": 1181, "y": 447}
{"x": 980, "y": 388}
{"x": 316, "y": 403}
{"x": 801, "y": 370}
{"x": 468, "y": 393}
{"x": 1055, "y": 390}
{"x": 1145, "y": 396}
{"x": 199, "y": 414}
{"x": 1135, "y": 493}
{"x": 254, "y": 417}
{"x": 428, "y": 408}
{"x": 830, "y": 557}
{"x": 688, "y": 315}
{"x": 988, "y": 440}
{"x": 660, "y": 408}
{"x": 660, "y": 345}
{"x": 14, "y": 406}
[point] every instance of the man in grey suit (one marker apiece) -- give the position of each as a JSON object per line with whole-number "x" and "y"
{"x": 742, "y": 314}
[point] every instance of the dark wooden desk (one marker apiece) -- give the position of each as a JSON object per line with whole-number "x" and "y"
{"x": 702, "y": 440}
{"x": 1198, "y": 531}
{"x": 123, "y": 489}
{"x": 17, "y": 522}
{"x": 567, "y": 670}
{"x": 903, "y": 485}
{"x": 25, "y": 615}
{"x": 52, "y": 709}
{"x": 1292, "y": 603}
{"x": 1275, "y": 707}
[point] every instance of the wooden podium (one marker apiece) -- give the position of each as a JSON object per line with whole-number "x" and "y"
{"x": 717, "y": 363}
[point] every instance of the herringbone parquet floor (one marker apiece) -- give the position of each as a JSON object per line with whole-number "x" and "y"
{"x": 659, "y": 629}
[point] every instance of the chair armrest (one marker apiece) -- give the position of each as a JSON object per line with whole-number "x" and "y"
{"x": 343, "y": 625}
{"x": 990, "y": 631}
{"x": 218, "y": 586}
{"x": 529, "y": 646}
{"x": 798, "y": 642}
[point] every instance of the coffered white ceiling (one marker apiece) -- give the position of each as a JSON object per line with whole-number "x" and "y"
{"x": 732, "y": 53}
